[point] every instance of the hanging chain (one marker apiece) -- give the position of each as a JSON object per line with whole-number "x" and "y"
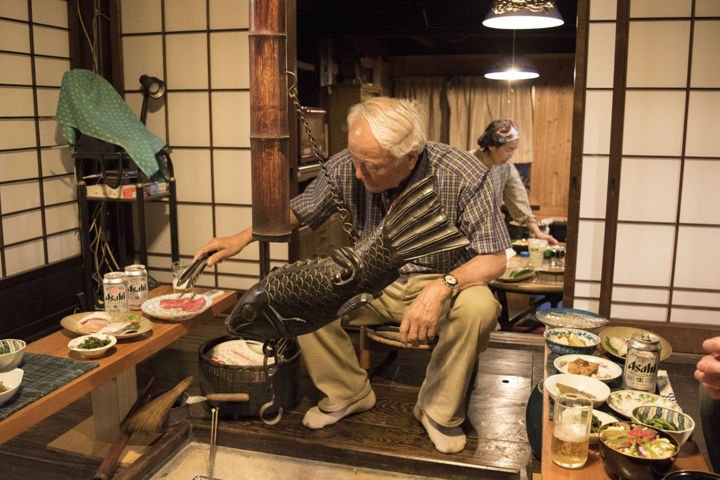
{"x": 334, "y": 189}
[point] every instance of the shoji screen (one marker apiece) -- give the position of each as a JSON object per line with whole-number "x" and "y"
{"x": 37, "y": 193}
{"x": 596, "y": 153}
{"x": 200, "y": 49}
{"x": 665, "y": 259}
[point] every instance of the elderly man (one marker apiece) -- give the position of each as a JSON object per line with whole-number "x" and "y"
{"x": 443, "y": 295}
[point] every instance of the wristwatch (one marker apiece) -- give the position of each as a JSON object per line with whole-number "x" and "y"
{"x": 452, "y": 283}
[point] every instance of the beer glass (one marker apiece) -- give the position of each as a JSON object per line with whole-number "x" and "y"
{"x": 177, "y": 270}
{"x": 537, "y": 247}
{"x": 571, "y": 430}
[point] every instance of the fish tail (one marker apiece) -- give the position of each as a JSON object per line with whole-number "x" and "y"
{"x": 416, "y": 225}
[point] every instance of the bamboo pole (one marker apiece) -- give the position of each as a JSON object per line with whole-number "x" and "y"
{"x": 269, "y": 136}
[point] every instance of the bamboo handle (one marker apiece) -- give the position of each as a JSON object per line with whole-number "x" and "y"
{"x": 228, "y": 397}
{"x": 113, "y": 454}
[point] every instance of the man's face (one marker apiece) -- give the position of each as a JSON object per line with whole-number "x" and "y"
{"x": 374, "y": 166}
{"x": 503, "y": 153}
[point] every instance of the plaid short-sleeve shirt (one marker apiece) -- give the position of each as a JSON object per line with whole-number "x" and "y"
{"x": 463, "y": 186}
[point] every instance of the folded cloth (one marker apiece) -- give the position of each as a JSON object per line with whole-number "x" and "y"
{"x": 91, "y": 105}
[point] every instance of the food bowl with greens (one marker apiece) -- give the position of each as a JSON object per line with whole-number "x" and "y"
{"x": 94, "y": 345}
{"x": 677, "y": 424}
{"x": 11, "y": 354}
{"x": 566, "y": 341}
{"x": 635, "y": 452}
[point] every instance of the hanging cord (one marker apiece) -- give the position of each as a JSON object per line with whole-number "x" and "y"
{"x": 334, "y": 190}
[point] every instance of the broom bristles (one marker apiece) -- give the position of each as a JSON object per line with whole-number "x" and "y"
{"x": 150, "y": 418}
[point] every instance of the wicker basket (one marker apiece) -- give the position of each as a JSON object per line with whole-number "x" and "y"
{"x": 217, "y": 378}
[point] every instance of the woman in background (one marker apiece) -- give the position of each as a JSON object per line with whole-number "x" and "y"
{"x": 497, "y": 145}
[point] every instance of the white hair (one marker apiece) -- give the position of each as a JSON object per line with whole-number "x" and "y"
{"x": 398, "y": 124}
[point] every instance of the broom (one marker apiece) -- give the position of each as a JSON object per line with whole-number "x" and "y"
{"x": 150, "y": 418}
{"x": 113, "y": 455}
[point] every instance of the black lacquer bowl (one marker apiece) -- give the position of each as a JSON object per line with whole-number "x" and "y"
{"x": 621, "y": 465}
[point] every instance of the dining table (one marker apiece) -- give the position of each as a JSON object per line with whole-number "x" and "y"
{"x": 544, "y": 285}
{"x": 112, "y": 384}
{"x": 689, "y": 457}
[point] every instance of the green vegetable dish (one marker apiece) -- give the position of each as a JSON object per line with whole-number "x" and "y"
{"x": 4, "y": 350}
{"x": 659, "y": 423}
{"x": 637, "y": 441}
{"x": 596, "y": 424}
{"x": 93, "y": 342}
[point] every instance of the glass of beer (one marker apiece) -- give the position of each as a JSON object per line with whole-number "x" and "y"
{"x": 537, "y": 247}
{"x": 178, "y": 269}
{"x": 571, "y": 430}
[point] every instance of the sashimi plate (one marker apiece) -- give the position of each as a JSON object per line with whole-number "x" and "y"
{"x": 176, "y": 307}
{"x": 120, "y": 325}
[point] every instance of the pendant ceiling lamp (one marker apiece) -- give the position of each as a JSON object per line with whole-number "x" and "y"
{"x": 512, "y": 68}
{"x": 523, "y": 15}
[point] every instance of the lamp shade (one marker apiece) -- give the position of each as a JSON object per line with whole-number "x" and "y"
{"x": 512, "y": 68}
{"x": 523, "y": 15}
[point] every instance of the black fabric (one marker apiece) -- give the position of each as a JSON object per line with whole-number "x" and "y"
{"x": 43, "y": 374}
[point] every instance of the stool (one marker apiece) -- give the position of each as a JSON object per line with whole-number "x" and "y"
{"x": 384, "y": 338}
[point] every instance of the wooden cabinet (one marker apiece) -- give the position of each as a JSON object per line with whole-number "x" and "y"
{"x": 342, "y": 98}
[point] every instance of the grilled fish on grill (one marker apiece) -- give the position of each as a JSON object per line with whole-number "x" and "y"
{"x": 302, "y": 297}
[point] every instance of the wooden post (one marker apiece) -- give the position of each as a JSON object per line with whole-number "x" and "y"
{"x": 269, "y": 137}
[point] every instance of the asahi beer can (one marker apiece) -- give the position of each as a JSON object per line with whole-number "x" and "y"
{"x": 137, "y": 285}
{"x": 642, "y": 362}
{"x": 115, "y": 292}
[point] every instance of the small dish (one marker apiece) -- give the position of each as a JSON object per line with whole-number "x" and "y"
{"x": 12, "y": 352}
{"x": 649, "y": 415}
{"x": 76, "y": 345}
{"x": 566, "y": 341}
{"x": 607, "y": 370}
{"x": 517, "y": 275}
{"x": 625, "y": 401}
{"x": 11, "y": 381}
{"x": 596, "y": 390}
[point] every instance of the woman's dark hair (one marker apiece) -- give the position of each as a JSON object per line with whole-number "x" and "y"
{"x": 498, "y": 132}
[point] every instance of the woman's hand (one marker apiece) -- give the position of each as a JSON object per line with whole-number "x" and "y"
{"x": 224, "y": 247}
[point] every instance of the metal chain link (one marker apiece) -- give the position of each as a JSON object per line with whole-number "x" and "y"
{"x": 334, "y": 189}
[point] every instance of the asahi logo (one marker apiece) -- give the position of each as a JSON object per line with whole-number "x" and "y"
{"x": 643, "y": 367}
{"x": 115, "y": 295}
{"x": 136, "y": 289}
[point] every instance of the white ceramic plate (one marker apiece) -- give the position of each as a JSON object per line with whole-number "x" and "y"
{"x": 625, "y": 401}
{"x": 604, "y": 418}
{"x": 595, "y": 389}
{"x": 119, "y": 325}
{"x": 176, "y": 307}
{"x": 607, "y": 369}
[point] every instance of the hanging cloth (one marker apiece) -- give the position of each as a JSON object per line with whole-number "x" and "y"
{"x": 91, "y": 105}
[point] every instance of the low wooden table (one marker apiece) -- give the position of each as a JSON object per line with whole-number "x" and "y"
{"x": 594, "y": 468}
{"x": 112, "y": 384}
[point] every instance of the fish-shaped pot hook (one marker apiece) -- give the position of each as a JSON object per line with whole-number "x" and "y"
{"x": 306, "y": 295}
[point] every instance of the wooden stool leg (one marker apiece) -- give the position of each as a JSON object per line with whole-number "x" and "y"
{"x": 364, "y": 356}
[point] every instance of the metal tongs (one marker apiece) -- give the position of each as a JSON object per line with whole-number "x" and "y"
{"x": 190, "y": 275}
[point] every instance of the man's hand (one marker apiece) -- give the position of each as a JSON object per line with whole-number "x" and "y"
{"x": 224, "y": 247}
{"x": 708, "y": 368}
{"x": 419, "y": 324}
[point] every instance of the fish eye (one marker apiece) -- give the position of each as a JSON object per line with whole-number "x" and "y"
{"x": 248, "y": 312}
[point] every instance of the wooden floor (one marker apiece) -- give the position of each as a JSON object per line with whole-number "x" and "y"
{"x": 387, "y": 437}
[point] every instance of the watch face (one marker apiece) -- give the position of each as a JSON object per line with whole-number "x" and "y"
{"x": 451, "y": 280}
